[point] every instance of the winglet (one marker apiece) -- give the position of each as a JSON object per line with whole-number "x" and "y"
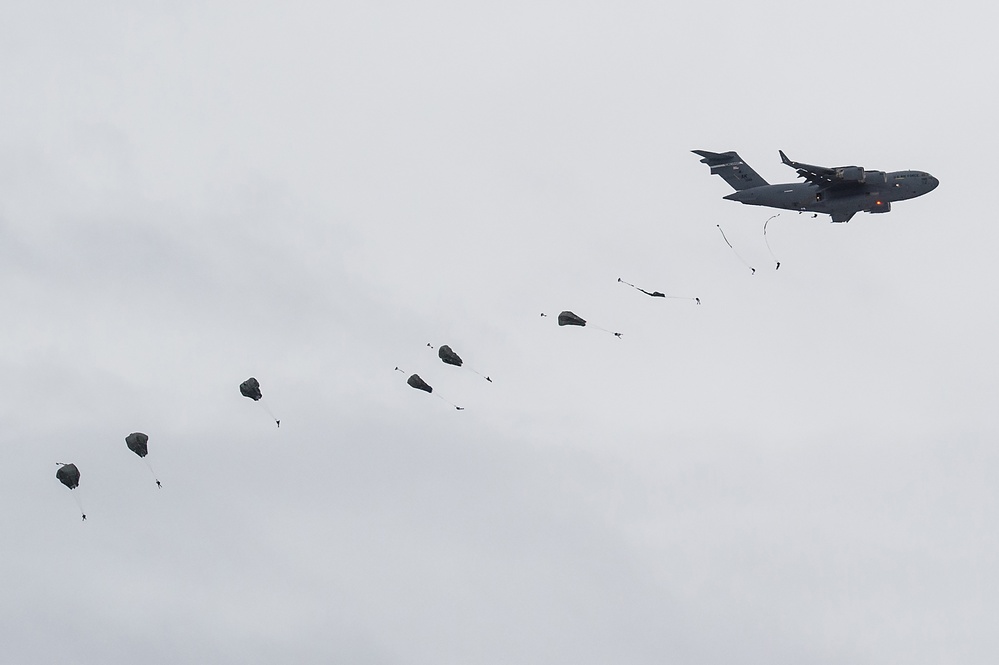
{"x": 784, "y": 159}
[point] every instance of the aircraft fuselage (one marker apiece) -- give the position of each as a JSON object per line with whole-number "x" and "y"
{"x": 868, "y": 196}
{"x": 839, "y": 192}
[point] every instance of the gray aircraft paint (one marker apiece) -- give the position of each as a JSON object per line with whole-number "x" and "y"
{"x": 839, "y": 192}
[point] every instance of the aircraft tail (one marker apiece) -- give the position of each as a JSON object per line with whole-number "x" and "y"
{"x": 731, "y": 167}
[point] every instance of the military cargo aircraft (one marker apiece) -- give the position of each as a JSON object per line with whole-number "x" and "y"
{"x": 840, "y": 192}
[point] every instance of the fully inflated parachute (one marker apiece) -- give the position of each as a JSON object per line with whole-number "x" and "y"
{"x": 69, "y": 476}
{"x": 251, "y": 388}
{"x": 138, "y": 443}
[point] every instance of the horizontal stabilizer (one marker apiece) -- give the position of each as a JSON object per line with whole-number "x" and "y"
{"x": 731, "y": 167}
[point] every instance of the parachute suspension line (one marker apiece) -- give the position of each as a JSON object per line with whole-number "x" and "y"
{"x": 268, "y": 410}
{"x": 76, "y": 495}
{"x": 658, "y": 294}
{"x": 458, "y": 408}
{"x": 751, "y": 268}
{"x": 480, "y": 374}
{"x": 146, "y": 460}
{"x": 616, "y": 334}
{"x": 768, "y": 242}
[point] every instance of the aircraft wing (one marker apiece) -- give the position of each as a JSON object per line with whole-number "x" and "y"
{"x": 820, "y": 175}
{"x": 823, "y": 176}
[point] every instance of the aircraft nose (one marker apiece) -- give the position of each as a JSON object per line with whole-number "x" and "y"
{"x": 933, "y": 184}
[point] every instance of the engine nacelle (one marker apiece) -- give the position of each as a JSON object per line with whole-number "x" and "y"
{"x": 880, "y": 206}
{"x": 851, "y": 174}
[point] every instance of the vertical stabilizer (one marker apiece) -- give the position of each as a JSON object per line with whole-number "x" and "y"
{"x": 730, "y": 166}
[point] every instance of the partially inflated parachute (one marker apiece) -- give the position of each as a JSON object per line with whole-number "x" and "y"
{"x": 418, "y": 383}
{"x": 567, "y": 318}
{"x": 449, "y": 357}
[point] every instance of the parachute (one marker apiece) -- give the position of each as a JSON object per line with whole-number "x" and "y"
{"x": 416, "y": 382}
{"x": 419, "y": 383}
{"x": 449, "y": 357}
{"x": 567, "y": 318}
{"x": 137, "y": 443}
{"x": 251, "y": 388}
{"x": 69, "y": 476}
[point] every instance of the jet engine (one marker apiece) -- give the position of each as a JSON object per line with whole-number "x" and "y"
{"x": 851, "y": 174}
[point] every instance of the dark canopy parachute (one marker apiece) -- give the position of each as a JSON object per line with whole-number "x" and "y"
{"x": 137, "y": 443}
{"x": 251, "y": 388}
{"x": 69, "y": 475}
{"x": 449, "y": 357}
{"x": 418, "y": 383}
{"x": 567, "y": 318}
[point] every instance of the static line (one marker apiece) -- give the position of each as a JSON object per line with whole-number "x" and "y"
{"x": 735, "y": 252}
{"x": 768, "y": 242}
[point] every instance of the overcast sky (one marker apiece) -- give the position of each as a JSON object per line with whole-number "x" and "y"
{"x": 802, "y": 469}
